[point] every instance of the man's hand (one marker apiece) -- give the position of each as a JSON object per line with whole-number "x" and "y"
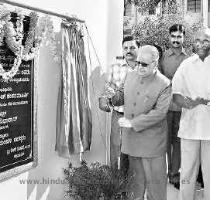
{"x": 110, "y": 92}
{"x": 190, "y": 103}
{"x": 203, "y": 101}
{"x": 124, "y": 122}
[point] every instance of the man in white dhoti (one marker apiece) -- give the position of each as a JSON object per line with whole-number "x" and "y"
{"x": 191, "y": 90}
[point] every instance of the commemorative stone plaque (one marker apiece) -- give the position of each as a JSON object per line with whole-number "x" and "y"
{"x": 17, "y": 115}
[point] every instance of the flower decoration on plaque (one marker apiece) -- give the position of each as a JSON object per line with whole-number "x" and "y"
{"x": 23, "y": 43}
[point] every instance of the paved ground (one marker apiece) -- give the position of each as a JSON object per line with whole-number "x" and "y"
{"x": 172, "y": 193}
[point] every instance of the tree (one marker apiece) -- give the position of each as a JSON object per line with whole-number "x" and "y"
{"x": 155, "y": 31}
{"x": 143, "y": 4}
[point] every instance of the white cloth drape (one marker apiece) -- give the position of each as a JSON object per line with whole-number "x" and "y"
{"x": 74, "y": 124}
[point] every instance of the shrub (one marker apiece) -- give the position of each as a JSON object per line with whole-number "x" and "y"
{"x": 155, "y": 30}
{"x": 94, "y": 182}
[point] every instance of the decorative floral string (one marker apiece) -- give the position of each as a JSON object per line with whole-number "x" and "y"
{"x": 41, "y": 30}
{"x": 6, "y": 75}
{"x": 14, "y": 34}
{"x": 30, "y": 46}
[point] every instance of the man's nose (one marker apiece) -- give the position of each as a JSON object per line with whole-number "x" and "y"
{"x": 199, "y": 45}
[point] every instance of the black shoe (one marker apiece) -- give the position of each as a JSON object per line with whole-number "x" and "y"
{"x": 174, "y": 180}
{"x": 177, "y": 185}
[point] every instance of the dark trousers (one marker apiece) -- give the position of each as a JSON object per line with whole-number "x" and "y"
{"x": 173, "y": 147}
{"x": 147, "y": 174}
{"x": 115, "y": 144}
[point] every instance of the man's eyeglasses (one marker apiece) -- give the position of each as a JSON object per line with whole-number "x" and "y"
{"x": 143, "y": 64}
{"x": 204, "y": 42}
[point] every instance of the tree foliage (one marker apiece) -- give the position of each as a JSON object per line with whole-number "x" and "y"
{"x": 143, "y": 4}
{"x": 155, "y": 30}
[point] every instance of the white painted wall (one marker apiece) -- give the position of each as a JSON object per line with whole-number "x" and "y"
{"x": 104, "y": 21}
{"x": 205, "y": 12}
{"x": 209, "y": 19}
{"x": 115, "y": 30}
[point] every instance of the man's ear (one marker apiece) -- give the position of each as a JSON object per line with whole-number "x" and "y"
{"x": 156, "y": 63}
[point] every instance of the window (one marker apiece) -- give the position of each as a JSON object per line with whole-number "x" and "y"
{"x": 128, "y": 10}
{"x": 152, "y": 11}
{"x": 194, "y": 5}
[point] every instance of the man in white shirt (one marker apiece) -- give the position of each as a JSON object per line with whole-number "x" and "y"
{"x": 191, "y": 90}
{"x": 171, "y": 60}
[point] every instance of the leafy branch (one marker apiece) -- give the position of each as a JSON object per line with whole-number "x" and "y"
{"x": 155, "y": 30}
{"x": 95, "y": 182}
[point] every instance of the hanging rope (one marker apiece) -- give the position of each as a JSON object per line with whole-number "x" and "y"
{"x": 92, "y": 46}
{"x": 94, "y": 90}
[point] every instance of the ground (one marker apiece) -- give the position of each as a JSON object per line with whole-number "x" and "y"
{"x": 172, "y": 193}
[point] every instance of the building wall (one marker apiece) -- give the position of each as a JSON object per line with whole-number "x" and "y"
{"x": 209, "y": 14}
{"x": 104, "y": 21}
{"x": 204, "y": 12}
{"x": 209, "y": 19}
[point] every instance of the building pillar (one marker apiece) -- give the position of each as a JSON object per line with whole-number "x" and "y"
{"x": 205, "y": 12}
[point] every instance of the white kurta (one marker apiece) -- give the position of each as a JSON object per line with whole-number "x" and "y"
{"x": 192, "y": 79}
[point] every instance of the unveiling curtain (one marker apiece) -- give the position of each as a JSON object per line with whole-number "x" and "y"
{"x": 74, "y": 123}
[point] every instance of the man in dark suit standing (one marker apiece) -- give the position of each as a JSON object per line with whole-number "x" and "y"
{"x": 147, "y": 95}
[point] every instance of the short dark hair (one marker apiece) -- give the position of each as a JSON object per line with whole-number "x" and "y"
{"x": 177, "y": 27}
{"x": 130, "y": 38}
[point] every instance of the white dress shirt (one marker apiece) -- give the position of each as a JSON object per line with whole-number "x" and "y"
{"x": 192, "y": 79}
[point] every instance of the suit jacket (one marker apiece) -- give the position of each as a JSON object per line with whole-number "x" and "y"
{"x": 146, "y": 102}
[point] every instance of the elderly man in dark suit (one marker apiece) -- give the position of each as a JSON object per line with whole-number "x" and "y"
{"x": 147, "y": 95}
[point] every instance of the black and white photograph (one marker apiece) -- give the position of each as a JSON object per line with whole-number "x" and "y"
{"x": 105, "y": 100}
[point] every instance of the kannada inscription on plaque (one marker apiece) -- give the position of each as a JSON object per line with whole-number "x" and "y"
{"x": 16, "y": 116}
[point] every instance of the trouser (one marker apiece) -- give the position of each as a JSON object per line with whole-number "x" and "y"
{"x": 115, "y": 144}
{"x": 147, "y": 174}
{"x": 194, "y": 153}
{"x": 173, "y": 147}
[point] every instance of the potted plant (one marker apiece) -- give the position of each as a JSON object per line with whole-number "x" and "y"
{"x": 95, "y": 182}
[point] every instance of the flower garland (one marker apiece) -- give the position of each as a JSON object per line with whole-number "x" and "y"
{"x": 41, "y": 30}
{"x": 31, "y": 43}
{"x": 4, "y": 17}
{"x": 14, "y": 37}
{"x": 6, "y": 75}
